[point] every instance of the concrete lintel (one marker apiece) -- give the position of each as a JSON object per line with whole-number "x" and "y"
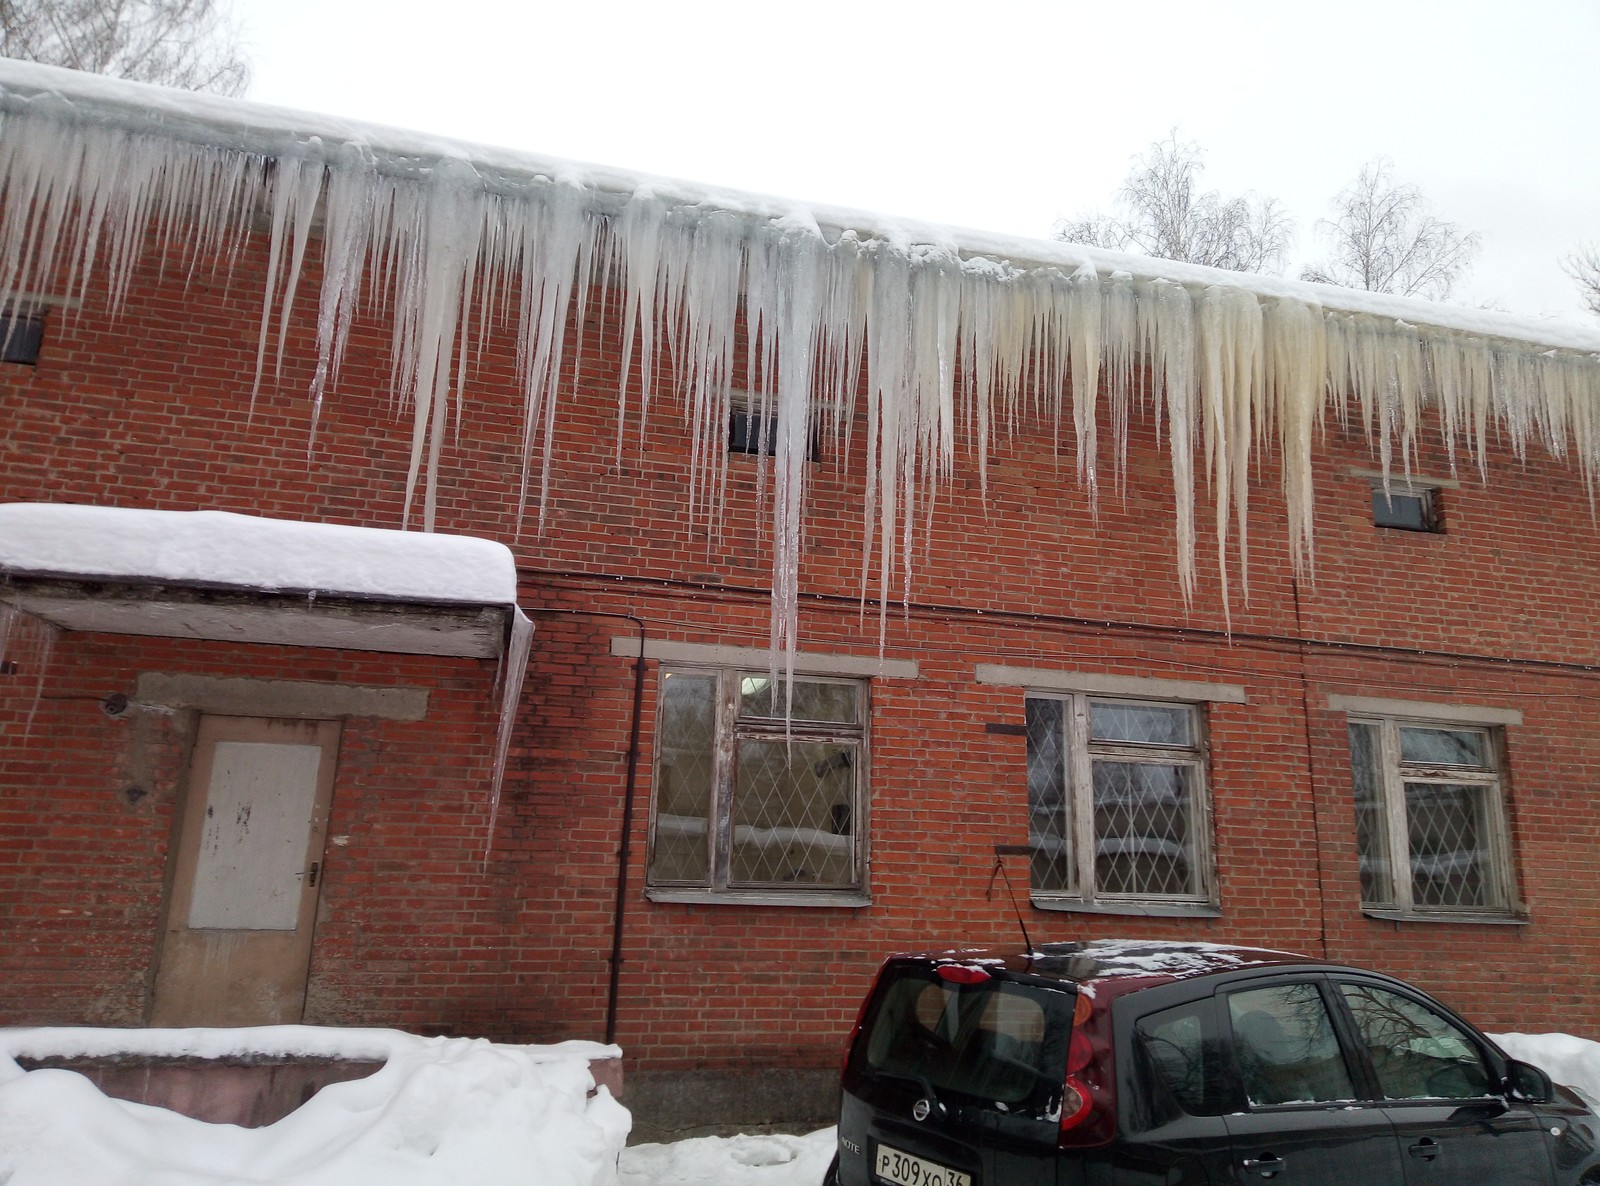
{"x": 281, "y": 697}
{"x": 1099, "y": 684}
{"x": 805, "y": 662}
{"x": 1464, "y": 714}
{"x": 1400, "y": 481}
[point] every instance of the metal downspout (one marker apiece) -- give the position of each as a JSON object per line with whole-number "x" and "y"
{"x": 630, "y": 791}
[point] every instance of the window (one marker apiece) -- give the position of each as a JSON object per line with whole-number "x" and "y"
{"x": 753, "y": 428}
{"x": 1409, "y": 508}
{"x": 1430, "y": 817}
{"x": 751, "y": 805}
{"x": 1285, "y": 1046}
{"x": 995, "y": 1042}
{"x": 21, "y": 336}
{"x": 1178, "y": 1058}
{"x": 1117, "y": 802}
{"x": 1416, "y": 1053}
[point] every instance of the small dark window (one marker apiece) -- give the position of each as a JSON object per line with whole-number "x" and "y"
{"x": 1409, "y": 509}
{"x": 21, "y": 335}
{"x": 751, "y": 432}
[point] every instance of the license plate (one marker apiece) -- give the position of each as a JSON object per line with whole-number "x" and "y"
{"x": 905, "y": 1170}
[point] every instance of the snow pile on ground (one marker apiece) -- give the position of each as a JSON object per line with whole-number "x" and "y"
{"x": 1574, "y": 1062}
{"x": 441, "y": 1111}
{"x": 731, "y": 1161}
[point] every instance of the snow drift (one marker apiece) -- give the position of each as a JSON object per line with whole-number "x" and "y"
{"x": 440, "y": 1111}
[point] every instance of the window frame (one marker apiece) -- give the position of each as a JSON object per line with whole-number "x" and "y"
{"x": 1079, "y": 753}
{"x": 729, "y": 730}
{"x": 1391, "y": 776}
{"x": 1388, "y": 515}
{"x": 21, "y": 335}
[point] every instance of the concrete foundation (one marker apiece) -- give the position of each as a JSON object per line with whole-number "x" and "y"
{"x": 670, "y": 1105}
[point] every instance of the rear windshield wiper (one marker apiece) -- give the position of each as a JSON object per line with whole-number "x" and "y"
{"x": 916, "y": 1080}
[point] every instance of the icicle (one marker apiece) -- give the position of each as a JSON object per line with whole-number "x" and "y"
{"x": 28, "y": 643}
{"x": 1172, "y": 337}
{"x": 348, "y": 221}
{"x": 513, "y": 669}
{"x": 1296, "y": 363}
{"x": 1083, "y": 340}
{"x": 955, "y": 350}
{"x": 1229, "y": 329}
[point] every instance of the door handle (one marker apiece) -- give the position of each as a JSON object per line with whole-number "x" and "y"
{"x": 1427, "y": 1149}
{"x": 1268, "y": 1165}
{"x": 316, "y": 867}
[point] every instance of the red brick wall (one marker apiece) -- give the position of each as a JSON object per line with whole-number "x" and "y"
{"x": 416, "y": 930}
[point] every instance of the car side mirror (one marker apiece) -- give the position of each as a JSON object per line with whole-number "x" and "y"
{"x": 1528, "y": 1083}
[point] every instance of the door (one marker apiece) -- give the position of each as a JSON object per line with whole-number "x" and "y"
{"x": 237, "y": 938}
{"x": 1304, "y": 1122}
{"x": 1453, "y": 1119}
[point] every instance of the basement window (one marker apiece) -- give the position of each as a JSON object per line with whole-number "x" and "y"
{"x": 21, "y": 335}
{"x": 1406, "y": 508}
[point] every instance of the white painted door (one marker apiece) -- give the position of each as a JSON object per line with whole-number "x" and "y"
{"x": 237, "y": 941}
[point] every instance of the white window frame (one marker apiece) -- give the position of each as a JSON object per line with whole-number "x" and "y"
{"x": 730, "y": 728}
{"x": 1392, "y": 775}
{"x": 1079, "y": 753}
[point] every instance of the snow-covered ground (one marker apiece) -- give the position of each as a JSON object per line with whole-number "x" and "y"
{"x": 440, "y": 1112}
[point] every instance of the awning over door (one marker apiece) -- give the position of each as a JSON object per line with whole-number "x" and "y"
{"x": 241, "y": 578}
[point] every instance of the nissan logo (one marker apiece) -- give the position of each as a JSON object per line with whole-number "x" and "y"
{"x": 920, "y": 1110}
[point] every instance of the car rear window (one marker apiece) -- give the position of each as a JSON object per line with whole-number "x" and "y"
{"x": 997, "y": 1042}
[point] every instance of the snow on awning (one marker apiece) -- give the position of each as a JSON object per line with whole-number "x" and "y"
{"x": 241, "y": 578}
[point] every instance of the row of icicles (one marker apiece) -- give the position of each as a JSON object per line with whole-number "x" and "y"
{"x": 952, "y": 350}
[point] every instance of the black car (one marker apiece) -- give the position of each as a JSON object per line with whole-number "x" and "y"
{"x": 1134, "y": 1063}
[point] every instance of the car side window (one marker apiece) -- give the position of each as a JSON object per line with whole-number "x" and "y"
{"x": 1417, "y": 1053}
{"x": 1285, "y": 1046}
{"x": 1180, "y": 1057}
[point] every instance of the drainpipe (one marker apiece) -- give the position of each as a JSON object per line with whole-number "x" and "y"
{"x": 625, "y": 842}
{"x": 624, "y": 846}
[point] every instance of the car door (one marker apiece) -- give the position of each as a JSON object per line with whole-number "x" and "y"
{"x": 1172, "y": 1089}
{"x": 1443, "y": 1093}
{"x": 1300, "y": 1117}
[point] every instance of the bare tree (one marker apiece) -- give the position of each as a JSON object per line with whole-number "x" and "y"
{"x": 1583, "y": 265}
{"x": 183, "y": 43}
{"x": 1163, "y": 215}
{"x": 1384, "y": 237}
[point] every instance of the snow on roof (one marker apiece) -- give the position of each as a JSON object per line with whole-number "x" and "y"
{"x": 219, "y": 549}
{"x": 271, "y": 130}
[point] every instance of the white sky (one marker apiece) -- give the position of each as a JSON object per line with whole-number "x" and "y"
{"x": 1007, "y": 115}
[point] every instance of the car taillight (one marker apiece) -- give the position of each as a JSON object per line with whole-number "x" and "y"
{"x": 1075, "y": 1104}
{"x": 1088, "y": 1100}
